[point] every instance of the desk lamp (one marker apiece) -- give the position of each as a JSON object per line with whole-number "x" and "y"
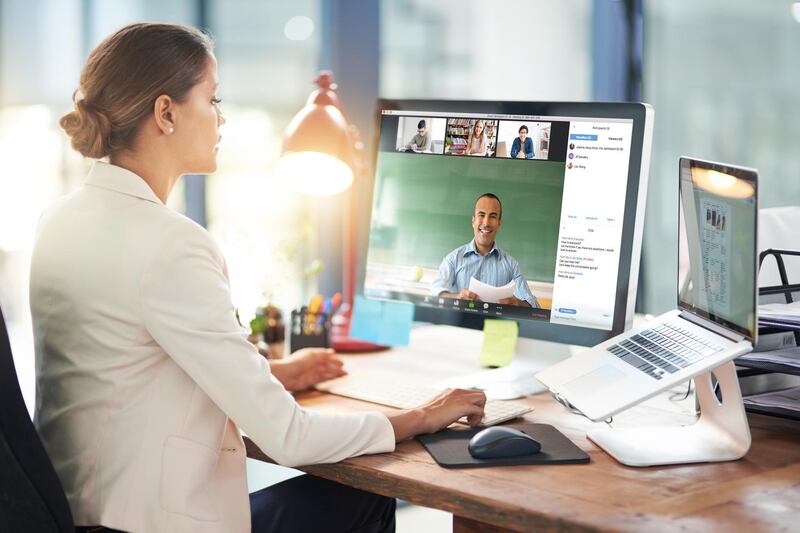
{"x": 321, "y": 155}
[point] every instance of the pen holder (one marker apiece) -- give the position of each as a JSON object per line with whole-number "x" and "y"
{"x": 309, "y": 330}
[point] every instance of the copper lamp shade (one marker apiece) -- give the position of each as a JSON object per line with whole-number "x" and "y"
{"x": 318, "y": 154}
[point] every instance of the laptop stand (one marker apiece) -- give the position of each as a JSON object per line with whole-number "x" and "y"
{"x": 721, "y": 432}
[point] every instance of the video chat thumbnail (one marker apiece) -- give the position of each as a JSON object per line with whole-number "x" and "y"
{"x": 523, "y": 139}
{"x": 445, "y": 229}
{"x": 420, "y": 135}
{"x": 472, "y": 137}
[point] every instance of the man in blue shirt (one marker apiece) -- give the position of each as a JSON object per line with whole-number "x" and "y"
{"x": 481, "y": 259}
{"x": 522, "y": 146}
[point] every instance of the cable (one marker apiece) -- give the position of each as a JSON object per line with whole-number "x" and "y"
{"x": 676, "y": 396}
{"x": 563, "y": 401}
{"x": 574, "y": 410}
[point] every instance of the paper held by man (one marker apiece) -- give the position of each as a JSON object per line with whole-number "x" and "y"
{"x": 490, "y": 293}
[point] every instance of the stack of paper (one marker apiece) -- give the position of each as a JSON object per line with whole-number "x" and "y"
{"x": 788, "y": 400}
{"x": 788, "y": 357}
{"x": 780, "y": 315}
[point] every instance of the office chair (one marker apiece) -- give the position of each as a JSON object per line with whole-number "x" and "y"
{"x": 777, "y": 228}
{"x": 31, "y": 496}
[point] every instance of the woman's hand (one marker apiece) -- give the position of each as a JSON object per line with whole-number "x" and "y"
{"x": 439, "y": 413}
{"x": 307, "y": 367}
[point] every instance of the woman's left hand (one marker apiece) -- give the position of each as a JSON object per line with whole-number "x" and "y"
{"x": 307, "y": 367}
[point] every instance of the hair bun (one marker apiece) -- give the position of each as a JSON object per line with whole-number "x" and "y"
{"x": 89, "y": 130}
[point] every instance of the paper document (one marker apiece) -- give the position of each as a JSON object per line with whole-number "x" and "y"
{"x": 490, "y": 293}
{"x": 778, "y": 314}
{"x": 787, "y": 356}
{"x": 786, "y": 399}
{"x": 716, "y": 256}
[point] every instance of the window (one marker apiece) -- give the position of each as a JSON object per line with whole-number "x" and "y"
{"x": 503, "y": 50}
{"x": 722, "y": 77}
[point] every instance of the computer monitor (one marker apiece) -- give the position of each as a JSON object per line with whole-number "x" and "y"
{"x": 530, "y": 211}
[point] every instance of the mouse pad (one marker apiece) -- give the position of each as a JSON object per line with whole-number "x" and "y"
{"x": 449, "y": 448}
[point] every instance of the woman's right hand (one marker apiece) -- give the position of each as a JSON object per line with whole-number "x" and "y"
{"x": 439, "y": 413}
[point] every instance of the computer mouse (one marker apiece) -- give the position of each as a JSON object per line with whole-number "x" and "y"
{"x": 498, "y": 442}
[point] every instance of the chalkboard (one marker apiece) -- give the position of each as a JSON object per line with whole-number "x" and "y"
{"x": 423, "y": 206}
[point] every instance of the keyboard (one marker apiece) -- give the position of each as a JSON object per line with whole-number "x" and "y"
{"x": 665, "y": 348}
{"x": 407, "y": 395}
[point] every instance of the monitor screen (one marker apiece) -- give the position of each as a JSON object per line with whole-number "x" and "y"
{"x": 510, "y": 211}
{"x": 717, "y": 244}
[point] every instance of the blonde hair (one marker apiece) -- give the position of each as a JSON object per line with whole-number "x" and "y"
{"x": 123, "y": 77}
{"x": 473, "y": 135}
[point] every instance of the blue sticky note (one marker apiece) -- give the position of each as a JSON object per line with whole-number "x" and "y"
{"x": 381, "y": 321}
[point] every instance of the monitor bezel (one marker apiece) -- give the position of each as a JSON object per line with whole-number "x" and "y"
{"x": 633, "y": 219}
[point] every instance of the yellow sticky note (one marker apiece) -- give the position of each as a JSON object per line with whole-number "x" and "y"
{"x": 499, "y": 342}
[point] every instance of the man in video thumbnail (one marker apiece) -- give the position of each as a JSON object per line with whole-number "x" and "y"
{"x": 522, "y": 147}
{"x": 481, "y": 259}
{"x": 421, "y": 141}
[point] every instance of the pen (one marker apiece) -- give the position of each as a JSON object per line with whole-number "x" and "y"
{"x": 314, "y": 304}
{"x": 324, "y": 313}
{"x": 310, "y": 317}
{"x": 336, "y": 301}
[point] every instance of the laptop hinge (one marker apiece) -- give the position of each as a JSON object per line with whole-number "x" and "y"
{"x": 711, "y": 326}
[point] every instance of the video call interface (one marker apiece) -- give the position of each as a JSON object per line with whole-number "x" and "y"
{"x": 500, "y": 215}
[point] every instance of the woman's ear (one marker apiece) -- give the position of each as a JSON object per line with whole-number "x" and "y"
{"x": 163, "y": 110}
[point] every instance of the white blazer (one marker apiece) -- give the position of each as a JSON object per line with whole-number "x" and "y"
{"x": 144, "y": 376}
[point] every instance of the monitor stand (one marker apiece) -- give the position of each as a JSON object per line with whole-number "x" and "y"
{"x": 459, "y": 349}
{"x": 447, "y": 356}
{"x": 721, "y": 432}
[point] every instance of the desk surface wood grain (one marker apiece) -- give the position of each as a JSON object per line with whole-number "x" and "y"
{"x": 760, "y": 492}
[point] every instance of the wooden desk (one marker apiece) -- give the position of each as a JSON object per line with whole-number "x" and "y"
{"x": 760, "y": 492}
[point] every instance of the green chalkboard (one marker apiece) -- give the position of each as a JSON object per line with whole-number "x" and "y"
{"x": 424, "y": 202}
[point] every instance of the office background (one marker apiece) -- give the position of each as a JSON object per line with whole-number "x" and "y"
{"x": 721, "y": 75}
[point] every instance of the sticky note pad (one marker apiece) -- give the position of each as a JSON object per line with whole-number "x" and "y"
{"x": 499, "y": 342}
{"x": 381, "y": 321}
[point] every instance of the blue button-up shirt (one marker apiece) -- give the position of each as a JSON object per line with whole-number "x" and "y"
{"x": 495, "y": 268}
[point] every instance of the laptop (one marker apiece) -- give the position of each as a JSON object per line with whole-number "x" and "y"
{"x": 715, "y": 321}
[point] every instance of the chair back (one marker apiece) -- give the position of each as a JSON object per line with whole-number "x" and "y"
{"x": 31, "y": 496}
{"x": 777, "y": 228}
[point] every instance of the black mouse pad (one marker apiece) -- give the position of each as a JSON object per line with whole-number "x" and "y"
{"x": 449, "y": 448}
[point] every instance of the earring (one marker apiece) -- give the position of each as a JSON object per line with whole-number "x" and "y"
{"x": 169, "y": 131}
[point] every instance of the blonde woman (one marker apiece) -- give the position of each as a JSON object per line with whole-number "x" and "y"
{"x": 477, "y": 144}
{"x": 144, "y": 377}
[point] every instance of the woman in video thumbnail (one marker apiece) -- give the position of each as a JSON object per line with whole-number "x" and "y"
{"x": 477, "y": 142}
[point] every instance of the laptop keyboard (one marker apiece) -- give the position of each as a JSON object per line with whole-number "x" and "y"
{"x": 665, "y": 348}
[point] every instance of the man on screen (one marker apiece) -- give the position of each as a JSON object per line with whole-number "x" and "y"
{"x": 522, "y": 147}
{"x": 421, "y": 141}
{"x": 481, "y": 259}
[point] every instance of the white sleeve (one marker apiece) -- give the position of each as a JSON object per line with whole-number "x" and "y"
{"x": 186, "y": 304}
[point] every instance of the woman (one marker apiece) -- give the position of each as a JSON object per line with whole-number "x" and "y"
{"x": 476, "y": 142}
{"x": 144, "y": 377}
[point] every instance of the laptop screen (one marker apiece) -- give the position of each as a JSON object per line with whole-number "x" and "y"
{"x": 717, "y": 244}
